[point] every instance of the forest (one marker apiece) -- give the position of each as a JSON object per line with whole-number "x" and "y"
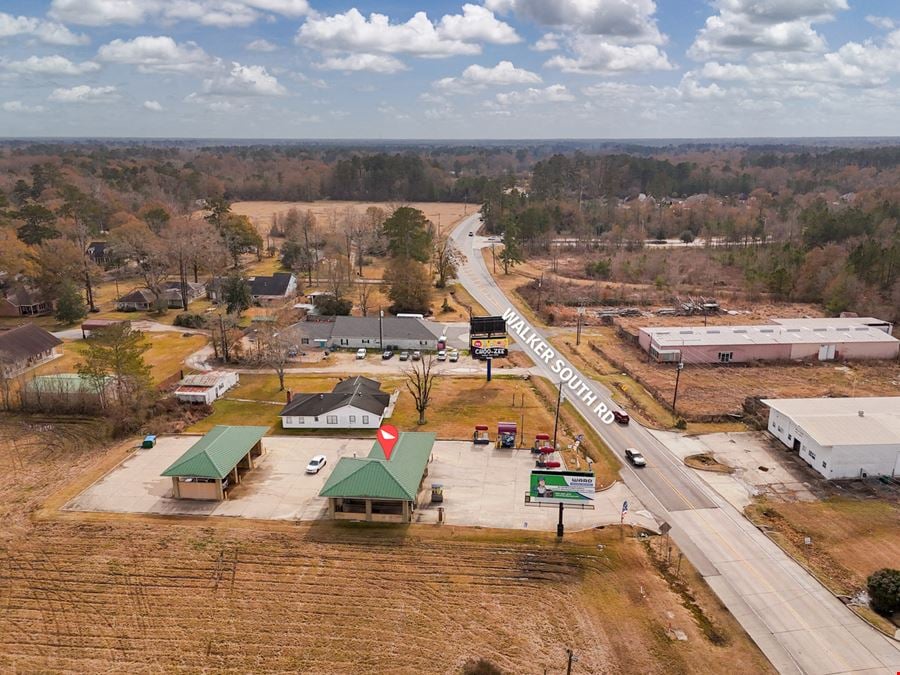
{"x": 813, "y": 223}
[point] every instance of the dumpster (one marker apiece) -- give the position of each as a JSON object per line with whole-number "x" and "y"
{"x": 149, "y": 441}
{"x": 481, "y": 436}
{"x": 506, "y": 434}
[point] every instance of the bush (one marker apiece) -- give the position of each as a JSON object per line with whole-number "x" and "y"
{"x": 884, "y": 591}
{"x": 599, "y": 269}
{"x": 190, "y": 320}
{"x": 480, "y": 667}
{"x": 328, "y": 305}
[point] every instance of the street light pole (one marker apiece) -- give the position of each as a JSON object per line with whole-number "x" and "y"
{"x": 678, "y": 370}
{"x": 556, "y": 423}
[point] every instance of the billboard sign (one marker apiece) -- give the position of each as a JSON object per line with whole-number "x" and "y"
{"x": 487, "y": 337}
{"x": 568, "y": 487}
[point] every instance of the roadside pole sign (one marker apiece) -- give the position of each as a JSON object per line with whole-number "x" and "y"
{"x": 624, "y": 511}
{"x": 387, "y": 438}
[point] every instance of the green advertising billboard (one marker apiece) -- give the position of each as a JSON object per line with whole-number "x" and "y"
{"x": 568, "y": 487}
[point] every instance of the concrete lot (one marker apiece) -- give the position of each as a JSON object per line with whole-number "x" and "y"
{"x": 483, "y": 486}
{"x": 760, "y": 466}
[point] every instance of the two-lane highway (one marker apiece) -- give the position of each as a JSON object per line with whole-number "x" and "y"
{"x": 796, "y": 622}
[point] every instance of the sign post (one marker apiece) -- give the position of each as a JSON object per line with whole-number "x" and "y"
{"x": 487, "y": 337}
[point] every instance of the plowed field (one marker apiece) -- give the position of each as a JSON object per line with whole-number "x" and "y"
{"x": 140, "y": 595}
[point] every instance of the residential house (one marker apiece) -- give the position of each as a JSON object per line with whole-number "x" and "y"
{"x": 355, "y": 403}
{"x": 26, "y": 346}
{"x": 99, "y": 252}
{"x": 276, "y": 288}
{"x": 23, "y": 301}
{"x": 137, "y": 300}
{"x": 172, "y": 293}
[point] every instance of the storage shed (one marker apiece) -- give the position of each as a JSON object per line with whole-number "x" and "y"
{"x": 210, "y": 467}
{"x": 205, "y": 387}
{"x": 376, "y": 489}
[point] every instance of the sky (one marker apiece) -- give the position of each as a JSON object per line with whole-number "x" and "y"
{"x": 491, "y": 69}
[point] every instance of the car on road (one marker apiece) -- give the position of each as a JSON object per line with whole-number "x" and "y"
{"x": 404, "y": 356}
{"x": 316, "y": 463}
{"x": 442, "y": 355}
{"x": 471, "y": 234}
{"x": 360, "y": 353}
{"x": 635, "y": 457}
{"x": 453, "y": 356}
{"x": 387, "y": 354}
{"x": 621, "y": 417}
{"x": 416, "y": 355}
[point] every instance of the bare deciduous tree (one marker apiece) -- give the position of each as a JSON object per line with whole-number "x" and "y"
{"x": 419, "y": 381}
{"x": 365, "y": 292}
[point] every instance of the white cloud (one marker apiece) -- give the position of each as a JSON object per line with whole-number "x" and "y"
{"x": 476, "y": 77}
{"x": 882, "y": 22}
{"x": 555, "y": 93}
{"x": 85, "y": 94}
{"x": 373, "y": 63}
{"x": 218, "y": 13}
{"x": 752, "y": 25}
{"x": 19, "y": 107}
{"x": 452, "y": 35}
{"x": 244, "y": 81}
{"x": 49, "y": 65}
{"x": 548, "y": 42}
{"x": 159, "y": 54}
{"x": 477, "y": 24}
{"x": 593, "y": 56}
{"x": 153, "y": 105}
{"x": 631, "y": 20}
{"x": 262, "y": 46}
{"x": 47, "y": 32}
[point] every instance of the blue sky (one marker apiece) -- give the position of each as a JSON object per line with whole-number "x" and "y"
{"x": 482, "y": 69}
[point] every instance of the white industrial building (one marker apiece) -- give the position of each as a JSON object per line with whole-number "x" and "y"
{"x": 205, "y": 387}
{"x": 841, "y": 437}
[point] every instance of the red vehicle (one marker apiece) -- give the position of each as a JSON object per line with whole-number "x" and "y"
{"x": 621, "y": 417}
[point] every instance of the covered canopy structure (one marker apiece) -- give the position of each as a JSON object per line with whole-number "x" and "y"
{"x": 214, "y": 463}
{"x": 377, "y": 489}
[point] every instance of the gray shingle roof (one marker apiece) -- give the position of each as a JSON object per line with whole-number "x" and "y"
{"x": 277, "y": 284}
{"x": 394, "y": 328}
{"x": 26, "y": 341}
{"x": 360, "y": 392}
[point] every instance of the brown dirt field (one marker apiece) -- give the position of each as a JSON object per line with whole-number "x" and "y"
{"x": 139, "y": 595}
{"x": 706, "y": 389}
{"x": 445, "y": 214}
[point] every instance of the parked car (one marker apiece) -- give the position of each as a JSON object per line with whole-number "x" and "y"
{"x": 442, "y": 355}
{"x": 416, "y": 355}
{"x": 360, "y": 353}
{"x": 471, "y": 234}
{"x": 404, "y": 356}
{"x": 316, "y": 463}
{"x": 292, "y": 353}
{"x": 387, "y": 354}
{"x": 621, "y": 417}
{"x": 453, "y": 356}
{"x": 636, "y": 458}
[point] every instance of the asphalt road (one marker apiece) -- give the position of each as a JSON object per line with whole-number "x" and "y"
{"x": 795, "y": 621}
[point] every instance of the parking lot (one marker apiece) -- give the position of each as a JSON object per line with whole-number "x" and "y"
{"x": 483, "y": 486}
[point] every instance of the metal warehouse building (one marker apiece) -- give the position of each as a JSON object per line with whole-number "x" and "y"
{"x": 841, "y": 437}
{"x": 376, "y": 489}
{"x": 792, "y": 340}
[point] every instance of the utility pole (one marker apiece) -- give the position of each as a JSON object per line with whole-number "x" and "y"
{"x": 380, "y": 329}
{"x": 494, "y": 257}
{"x": 556, "y": 423}
{"x": 571, "y": 656}
{"x": 580, "y": 319}
{"x": 678, "y": 370}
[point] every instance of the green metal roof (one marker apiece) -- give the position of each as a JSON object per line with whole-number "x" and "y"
{"x": 375, "y": 477}
{"x": 217, "y": 453}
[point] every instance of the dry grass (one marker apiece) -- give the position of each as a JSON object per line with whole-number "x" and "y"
{"x": 707, "y": 389}
{"x": 99, "y": 592}
{"x": 851, "y": 538}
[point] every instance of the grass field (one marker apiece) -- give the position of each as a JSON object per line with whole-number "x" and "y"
{"x": 98, "y": 592}
{"x": 165, "y": 357}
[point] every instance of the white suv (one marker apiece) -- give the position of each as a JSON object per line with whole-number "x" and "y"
{"x": 360, "y": 353}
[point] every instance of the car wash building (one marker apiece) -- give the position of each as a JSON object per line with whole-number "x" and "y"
{"x": 377, "y": 489}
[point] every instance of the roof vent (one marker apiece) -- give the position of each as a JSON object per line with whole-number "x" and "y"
{"x": 862, "y": 413}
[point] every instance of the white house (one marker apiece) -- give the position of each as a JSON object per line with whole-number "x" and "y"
{"x": 355, "y": 403}
{"x": 841, "y": 437}
{"x": 206, "y": 387}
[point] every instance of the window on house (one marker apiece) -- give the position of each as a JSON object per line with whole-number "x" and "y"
{"x": 352, "y": 419}
{"x": 304, "y": 341}
{"x": 365, "y": 419}
{"x": 316, "y": 418}
{"x": 299, "y": 420}
{"x": 824, "y": 464}
{"x": 725, "y": 357}
{"x": 780, "y": 430}
{"x": 331, "y": 419}
{"x": 812, "y": 455}
{"x": 789, "y": 437}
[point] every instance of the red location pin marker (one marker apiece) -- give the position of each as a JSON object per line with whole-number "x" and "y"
{"x": 387, "y": 439}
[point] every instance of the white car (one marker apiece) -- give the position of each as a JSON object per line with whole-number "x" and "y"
{"x": 360, "y": 353}
{"x": 454, "y": 356}
{"x": 442, "y": 355}
{"x": 315, "y": 464}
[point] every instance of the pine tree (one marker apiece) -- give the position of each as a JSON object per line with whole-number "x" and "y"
{"x": 70, "y": 305}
